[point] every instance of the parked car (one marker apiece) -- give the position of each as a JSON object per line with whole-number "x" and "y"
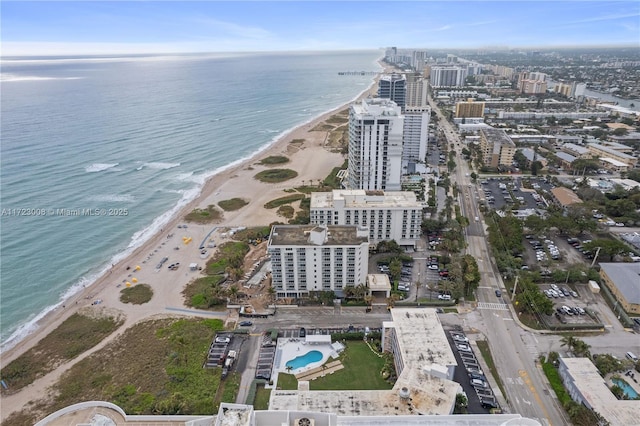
{"x": 246, "y": 323}
{"x": 464, "y": 348}
{"x": 222, "y": 339}
{"x": 498, "y": 293}
{"x": 460, "y": 338}
{"x": 478, "y": 383}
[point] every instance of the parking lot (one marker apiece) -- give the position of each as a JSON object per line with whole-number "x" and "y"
{"x": 507, "y": 191}
{"x": 569, "y": 307}
{"x": 469, "y": 374}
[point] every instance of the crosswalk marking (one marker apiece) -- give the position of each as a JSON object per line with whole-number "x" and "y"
{"x": 493, "y": 306}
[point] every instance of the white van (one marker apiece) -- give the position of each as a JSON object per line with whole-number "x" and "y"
{"x": 632, "y": 356}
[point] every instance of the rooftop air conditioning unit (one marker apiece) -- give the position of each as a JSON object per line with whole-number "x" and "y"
{"x": 304, "y": 422}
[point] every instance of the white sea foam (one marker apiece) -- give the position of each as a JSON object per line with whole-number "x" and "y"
{"x": 6, "y": 78}
{"x": 113, "y": 198}
{"x": 99, "y": 167}
{"x": 158, "y": 166}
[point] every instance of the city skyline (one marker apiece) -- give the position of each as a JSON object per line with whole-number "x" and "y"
{"x": 58, "y": 28}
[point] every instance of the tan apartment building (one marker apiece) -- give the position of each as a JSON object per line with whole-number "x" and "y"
{"x": 497, "y": 148}
{"x": 602, "y": 151}
{"x": 623, "y": 279}
{"x": 469, "y": 109}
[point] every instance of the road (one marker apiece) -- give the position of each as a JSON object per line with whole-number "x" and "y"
{"x": 527, "y": 391}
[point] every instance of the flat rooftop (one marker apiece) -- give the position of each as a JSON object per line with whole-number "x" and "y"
{"x": 360, "y": 198}
{"x": 497, "y": 136}
{"x": 595, "y": 391}
{"x": 423, "y": 346}
{"x": 626, "y": 277}
{"x": 421, "y": 325}
{"x": 299, "y": 235}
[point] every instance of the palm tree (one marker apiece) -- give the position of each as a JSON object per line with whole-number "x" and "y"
{"x": 569, "y": 341}
{"x": 581, "y": 349}
{"x": 233, "y": 293}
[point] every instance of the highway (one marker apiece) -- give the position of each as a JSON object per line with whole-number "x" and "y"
{"x": 513, "y": 348}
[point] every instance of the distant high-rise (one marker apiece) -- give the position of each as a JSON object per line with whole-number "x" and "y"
{"x": 375, "y": 145}
{"x": 448, "y": 76}
{"x": 415, "y": 135}
{"x": 469, "y": 109}
{"x": 416, "y": 91}
{"x": 393, "y": 87}
{"x": 532, "y": 83}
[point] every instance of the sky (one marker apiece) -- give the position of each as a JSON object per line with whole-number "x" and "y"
{"x": 94, "y": 27}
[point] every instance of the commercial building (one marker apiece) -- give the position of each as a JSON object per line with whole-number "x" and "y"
{"x": 497, "y": 148}
{"x": 469, "y": 109}
{"x": 623, "y": 279}
{"x": 376, "y": 128}
{"x": 448, "y": 75}
{"x": 415, "y": 135}
{"x": 393, "y": 87}
{"x": 306, "y": 258}
{"x": 586, "y": 386}
{"x": 387, "y": 215}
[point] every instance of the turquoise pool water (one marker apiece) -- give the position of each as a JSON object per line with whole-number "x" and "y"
{"x": 626, "y": 388}
{"x": 304, "y": 360}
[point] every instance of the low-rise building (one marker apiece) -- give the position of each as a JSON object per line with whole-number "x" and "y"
{"x": 623, "y": 279}
{"x": 390, "y": 215}
{"x": 309, "y": 258}
{"x": 586, "y": 386}
{"x": 603, "y": 151}
{"x": 564, "y": 197}
{"x": 577, "y": 151}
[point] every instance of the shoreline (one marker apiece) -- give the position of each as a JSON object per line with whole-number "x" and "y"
{"x": 212, "y": 191}
{"x": 159, "y": 223}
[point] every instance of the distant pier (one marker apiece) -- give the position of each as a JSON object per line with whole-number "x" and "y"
{"x": 358, "y": 73}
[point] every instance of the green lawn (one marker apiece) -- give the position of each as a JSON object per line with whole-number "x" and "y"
{"x": 361, "y": 372}
{"x": 262, "y": 398}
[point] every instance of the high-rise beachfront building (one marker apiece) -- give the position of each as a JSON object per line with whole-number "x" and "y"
{"x": 415, "y": 134}
{"x": 387, "y": 215}
{"x": 417, "y": 90}
{"x": 497, "y": 148}
{"x": 448, "y": 75}
{"x": 393, "y": 87}
{"x": 308, "y": 258}
{"x": 375, "y": 145}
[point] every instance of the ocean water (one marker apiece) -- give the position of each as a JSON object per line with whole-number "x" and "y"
{"x": 135, "y": 137}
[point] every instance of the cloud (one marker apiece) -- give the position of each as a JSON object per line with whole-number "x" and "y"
{"x": 225, "y": 28}
{"x": 605, "y": 18}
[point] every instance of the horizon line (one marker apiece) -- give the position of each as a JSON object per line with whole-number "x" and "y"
{"x": 202, "y": 52}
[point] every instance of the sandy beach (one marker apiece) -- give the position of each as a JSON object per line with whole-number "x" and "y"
{"x": 312, "y": 159}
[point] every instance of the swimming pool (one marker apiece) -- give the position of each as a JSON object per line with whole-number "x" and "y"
{"x": 626, "y": 388}
{"x": 304, "y": 360}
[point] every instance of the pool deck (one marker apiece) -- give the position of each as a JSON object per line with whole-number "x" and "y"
{"x": 290, "y": 348}
{"x": 632, "y": 383}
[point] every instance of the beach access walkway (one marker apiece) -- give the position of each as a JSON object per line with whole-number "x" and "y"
{"x": 321, "y": 371}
